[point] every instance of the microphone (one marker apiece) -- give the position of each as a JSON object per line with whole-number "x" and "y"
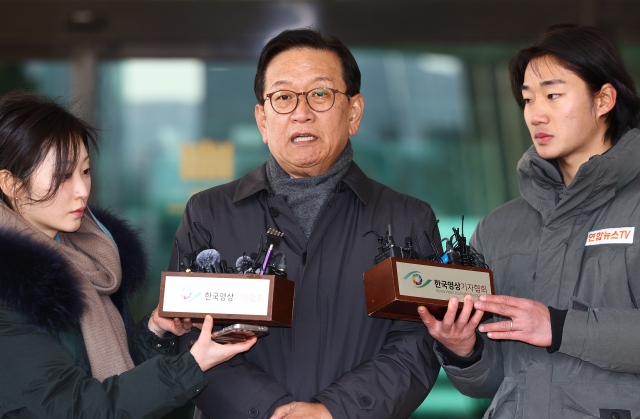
{"x": 225, "y": 267}
{"x": 387, "y": 246}
{"x": 266, "y": 260}
{"x": 408, "y": 251}
{"x": 255, "y": 267}
{"x": 244, "y": 263}
{"x": 280, "y": 267}
{"x": 208, "y": 258}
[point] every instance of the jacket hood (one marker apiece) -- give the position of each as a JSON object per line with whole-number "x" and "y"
{"x": 36, "y": 280}
{"x": 595, "y": 183}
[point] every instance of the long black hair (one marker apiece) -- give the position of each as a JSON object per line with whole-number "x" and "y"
{"x": 31, "y": 126}
{"x": 592, "y": 56}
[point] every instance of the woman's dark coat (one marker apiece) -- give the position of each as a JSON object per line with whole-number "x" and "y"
{"x": 44, "y": 369}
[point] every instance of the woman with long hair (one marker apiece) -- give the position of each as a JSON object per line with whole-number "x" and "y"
{"x": 68, "y": 346}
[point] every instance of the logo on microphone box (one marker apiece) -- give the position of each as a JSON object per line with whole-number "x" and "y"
{"x": 187, "y": 294}
{"x": 417, "y": 280}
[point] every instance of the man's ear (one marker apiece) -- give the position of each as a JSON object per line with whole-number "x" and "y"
{"x": 261, "y": 121}
{"x": 605, "y": 99}
{"x": 356, "y": 109}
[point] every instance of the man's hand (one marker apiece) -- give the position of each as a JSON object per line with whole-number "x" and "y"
{"x": 160, "y": 325}
{"x": 459, "y": 336}
{"x": 301, "y": 410}
{"x": 530, "y": 320}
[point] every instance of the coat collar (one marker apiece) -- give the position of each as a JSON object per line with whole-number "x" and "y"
{"x": 256, "y": 181}
{"x": 595, "y": 183}
{"x": 37, "y": 282}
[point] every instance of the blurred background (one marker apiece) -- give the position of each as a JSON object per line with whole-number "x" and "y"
{"x": 169, "y": 83}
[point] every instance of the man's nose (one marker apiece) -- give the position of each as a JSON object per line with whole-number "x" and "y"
{"x": 302, "y": 111}
{"x": 537, "y": 114}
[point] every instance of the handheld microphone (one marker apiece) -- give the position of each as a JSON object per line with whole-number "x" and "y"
{"x": 209, "y": 258}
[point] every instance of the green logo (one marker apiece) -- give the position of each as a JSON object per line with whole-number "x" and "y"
{"x": 416, "y": 278}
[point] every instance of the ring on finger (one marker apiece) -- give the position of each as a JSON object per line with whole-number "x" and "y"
{"x": 511, "y": 325}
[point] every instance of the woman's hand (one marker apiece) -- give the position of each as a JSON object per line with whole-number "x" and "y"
{"x": 530, "y": 321}
{"x": 459, "y": 336}
{"x": 208, "y": 354}
{"x": 159, "y": 325}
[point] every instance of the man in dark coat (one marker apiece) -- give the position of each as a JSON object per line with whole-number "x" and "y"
{"x": 335, "y": 361}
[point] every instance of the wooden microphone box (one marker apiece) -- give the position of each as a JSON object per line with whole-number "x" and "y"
{"x": 395, "y": 287}
{"x": 229, "y": 298}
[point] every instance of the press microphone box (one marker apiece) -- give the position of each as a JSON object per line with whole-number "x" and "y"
{"x": 229, "y": 298}
{"x": 395, "y": 287}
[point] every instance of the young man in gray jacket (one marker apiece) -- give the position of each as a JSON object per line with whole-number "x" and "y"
{"x": 565, "y": 338}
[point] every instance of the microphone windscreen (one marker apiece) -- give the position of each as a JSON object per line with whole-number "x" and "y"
{"x": 242, "y": 261}
{"x": 206, "y": 258}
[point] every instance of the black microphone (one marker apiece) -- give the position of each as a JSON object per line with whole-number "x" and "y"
{"x": 255, "y": 268}
{"x": 225, "y": 267}
{"x": 280, "y": 268}
{"x": 408, "y": 252}
{"x": 208, "y": 258}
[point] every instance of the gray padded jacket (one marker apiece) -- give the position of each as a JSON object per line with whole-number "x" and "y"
{"x": 564, "y": 246}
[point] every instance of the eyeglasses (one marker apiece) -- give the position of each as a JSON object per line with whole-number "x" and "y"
{"x": 320, "y": 99}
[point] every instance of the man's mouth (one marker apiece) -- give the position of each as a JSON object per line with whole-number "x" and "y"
{"x": 301, "y": 138}
{"x": 543, "y": 137}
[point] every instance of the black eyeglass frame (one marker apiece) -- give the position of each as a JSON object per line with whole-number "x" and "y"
{"x": 298, "y": 94}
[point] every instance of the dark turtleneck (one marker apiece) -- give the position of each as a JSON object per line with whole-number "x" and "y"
{"x": 306, "y": 197}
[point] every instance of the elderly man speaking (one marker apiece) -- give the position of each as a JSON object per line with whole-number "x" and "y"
{"x": 335, "y": 361}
